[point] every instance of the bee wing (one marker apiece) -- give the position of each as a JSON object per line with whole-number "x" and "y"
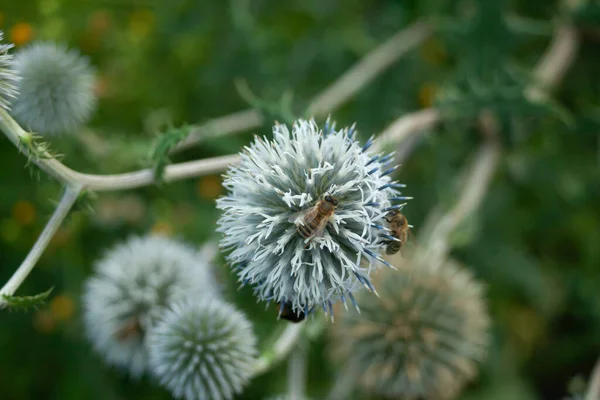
{"x": 320, "y": 227}
{"x": 411, "y": 238}
{"x": 296, "y": 218}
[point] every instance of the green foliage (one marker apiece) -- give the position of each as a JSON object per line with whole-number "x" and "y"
{"x": 534, "y": 241}
{"x": 27, "y": 302}
{"x": 163, "y": 145}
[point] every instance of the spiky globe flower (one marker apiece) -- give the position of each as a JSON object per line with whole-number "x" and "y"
{"x": 56, "y": 90}
{"x": 422, "y": 338}
{"x": 8, "y": 75}
{"x": 275, "y": 187}
{"x": 132, "y": 284}
{"x": 202, "y": 350}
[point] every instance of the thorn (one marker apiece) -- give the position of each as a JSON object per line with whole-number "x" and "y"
{"x": 387, "y": 158}
{"x": 368, "y": 144}
{"x": 396, "y": 207}
{"x": 372, "y": 204}
{"x": 401, "y": 198}
{"x": 354, "y": 302}
{"x": 344, "y": 300}
{"x": 391, "y": 238}
{"x": 373, "y": 159}
{"x": 393, "y": 185}
{"x": 389, "y": 171}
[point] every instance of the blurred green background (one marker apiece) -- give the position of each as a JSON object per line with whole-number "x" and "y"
{"x": 535, "y": 241}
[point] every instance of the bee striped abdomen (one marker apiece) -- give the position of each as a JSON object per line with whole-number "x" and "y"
{"x": 305, "y": 230}
{"x": 398, "y": 229}
{"x": 316, "y": 218}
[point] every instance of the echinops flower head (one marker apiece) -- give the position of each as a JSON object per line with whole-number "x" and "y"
{"x": 8, "y": 75}
{"x": 56, "y": 90}
{"x": 202, "y": 350}
{"x": 422, "y": 339}
{"x": 275, "y": 191}
{"x": 132, "y": 284}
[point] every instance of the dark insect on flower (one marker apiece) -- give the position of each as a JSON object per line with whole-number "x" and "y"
{"x": 316, "y": 218}
{"x": 130, "y": 330}
{"x": 399, "y": 230}
{"x": 303, "y": 219}
{"x": 287, "y": 312}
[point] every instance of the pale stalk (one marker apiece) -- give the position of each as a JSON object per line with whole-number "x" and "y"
{"x": 66, "y": 202}
{"x": 282, "y": 347}
{"x": 297, "y": 373}
{"x": 547, "y": 73}
{"x": 593, "y": 390}
{"x": 333, "y": 96}
{"x": 368, "y": 68}
{"x": 478, "y": 177}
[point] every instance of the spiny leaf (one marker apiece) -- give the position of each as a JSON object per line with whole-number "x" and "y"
{"x": 160, "y": 154}
{"x": 279, "y": 110}
{"x": 26, "y": 302}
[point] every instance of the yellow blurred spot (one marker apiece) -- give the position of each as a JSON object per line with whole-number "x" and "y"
{"x": 433, "y": 52}
{"x": 527, "y": 328}
{"x": 101, "y": 86}
{"x": 162, "y": 228}
{"x": 209, "y": 187}
{"x": 99, "y": 22}
{"x": 141, "y": 22}
{"x": 62, "y": 307}
{"x": 61, "y": 237}
{"x": 427, "y": 95}
{"x": 44, "y": 322}
{"x": 21, "y": 33}
{"x": 10, "y": 231}
{"x": 24, "y": 212}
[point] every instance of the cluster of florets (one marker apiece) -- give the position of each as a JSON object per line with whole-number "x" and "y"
{"x": 271, "y": 192}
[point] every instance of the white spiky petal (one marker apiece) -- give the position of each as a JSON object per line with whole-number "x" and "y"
{"x": 136, "y": 280}
{"x": 8, "y": 75}
{"x": 276, "y": 183}
{"x": 202, "y": 350}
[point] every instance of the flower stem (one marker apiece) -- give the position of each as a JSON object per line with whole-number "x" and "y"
{"x": 282, "y": 347}
{"x": 297, "y": 373}
{"x": 66, "y": 202}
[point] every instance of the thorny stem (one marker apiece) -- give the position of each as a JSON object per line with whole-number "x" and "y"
{"x": 547, "y": 73}
{"x": 333, "y": 96}
{"x": 479, "y": 176}
{"x": 66, "y": 202}
{"x": 282, "y": 347}
{"x": 593, "y": 391}
{"x": 368, "y": 68}
{"x": 297, "y": 373}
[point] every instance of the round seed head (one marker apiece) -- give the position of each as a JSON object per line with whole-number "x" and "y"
{"x": 422, "y": 338}
{"x": 131, "y": 286}
{"x": 8, "y": 75}
{"x": 304, "y": 214}
{"x": 202, "y": 350}
{"x": 56, "y": 90}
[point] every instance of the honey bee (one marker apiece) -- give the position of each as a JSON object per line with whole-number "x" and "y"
{"x": 399, "y": 229}
{"x": 315, "y": 220}
{"x": 133, "y": 328}
{"x": 286, "y": 312}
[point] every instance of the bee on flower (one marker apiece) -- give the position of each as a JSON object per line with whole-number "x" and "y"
{"x": 304, "y": 218}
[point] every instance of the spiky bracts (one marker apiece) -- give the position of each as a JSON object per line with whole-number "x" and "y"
{"x": 8, "y": 75}
{"x": 202, "y": 350}
{"x": 133, "y": 283}
{"x": 56, "y": 90}
{"x": 422, "y": 338}
{"x": 270, "y": 192}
